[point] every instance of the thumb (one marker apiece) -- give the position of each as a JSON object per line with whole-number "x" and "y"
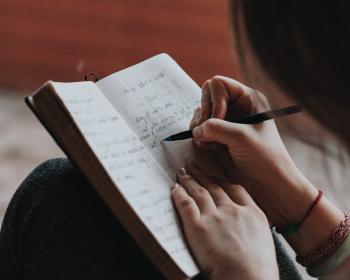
{"x": 221, "y": 131}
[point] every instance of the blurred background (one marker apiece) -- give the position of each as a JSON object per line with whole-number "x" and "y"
{"x": 63, "y": 40}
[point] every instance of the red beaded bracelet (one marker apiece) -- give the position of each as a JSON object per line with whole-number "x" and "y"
{"x": 328, "y": 247}
{"x": 293, "y": 228}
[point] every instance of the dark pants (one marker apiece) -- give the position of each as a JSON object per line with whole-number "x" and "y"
{"x": 57, "y": 227}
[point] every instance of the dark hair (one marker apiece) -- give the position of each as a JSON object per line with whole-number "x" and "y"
{"x": 304, "y": 47}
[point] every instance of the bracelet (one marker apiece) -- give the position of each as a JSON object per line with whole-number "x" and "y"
{"x": 293, "y": 228}
{"x": 328, "y": 247}
{"x": 339, "y": 256}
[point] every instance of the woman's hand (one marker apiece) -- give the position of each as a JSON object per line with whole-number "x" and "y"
{"x": 227, "y": 232}
{"x": 252, "y": 155}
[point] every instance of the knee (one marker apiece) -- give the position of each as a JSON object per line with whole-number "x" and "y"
{"x": 47, "y": 182}
{"x": 52, "y": 186}
{"x": 51, "y": 176}
{"x": 45, "y": 185}
{"x": 53, "y": 171}
{"x": 54, "y": 199}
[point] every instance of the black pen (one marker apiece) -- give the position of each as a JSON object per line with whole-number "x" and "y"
{"x": 252, "y": 119}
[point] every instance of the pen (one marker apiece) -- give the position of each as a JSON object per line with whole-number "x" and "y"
{"x": 252, "y": 119}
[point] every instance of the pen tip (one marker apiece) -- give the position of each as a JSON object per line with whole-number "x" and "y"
{"x": 166, "y": 139}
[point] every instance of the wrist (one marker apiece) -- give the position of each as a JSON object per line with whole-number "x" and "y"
{"x": 295, "y": 200}
{"x": 257, "y": 269}
{"x": 261, "y": 274}
{"x": 316, "y": 228}
{"x": 286, "y": 195}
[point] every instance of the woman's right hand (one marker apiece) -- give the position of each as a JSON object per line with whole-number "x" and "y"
{"x": 252, "y": 155}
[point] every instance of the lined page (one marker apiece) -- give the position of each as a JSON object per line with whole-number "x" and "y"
{"x": 157, "y": 99}
{"x": 131, "y": 167}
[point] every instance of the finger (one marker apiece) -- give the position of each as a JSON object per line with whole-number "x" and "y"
{"x": 228, "y": 165}
{"x": 217, "y": 193}
{"x": 206, "y": 104}
{"x": 195, "y": 118}
{"x": 232, "y": 172}
{"x": 246, "y": 99}
{"x": 185, "y": 205}
{"x": 237, "y": 193}
{"x": 224, "y": 132}
{"x": 219, "y": 98}
{"x": 200, "y": 195}
{"x": 211, "y": 146}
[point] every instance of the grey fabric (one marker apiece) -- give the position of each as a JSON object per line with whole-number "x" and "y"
{"x": 287, "y": 269}
{"x": 57, "y": 227}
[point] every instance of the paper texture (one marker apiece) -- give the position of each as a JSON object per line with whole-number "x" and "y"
{"x": 157, "y": 99}
{"x": 129, "y": 163}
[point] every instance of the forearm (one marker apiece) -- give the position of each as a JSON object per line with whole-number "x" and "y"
{"x": 318, "y": 227}
{"x": 292, "y": 199}
{"x": 341, "y": 273}
{"x": 254, "y": 275}
{"x": 293, "y": 202}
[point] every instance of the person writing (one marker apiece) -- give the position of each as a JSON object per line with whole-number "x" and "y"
{"x": 291, "y": 62}
{"x": 56, "y": 227}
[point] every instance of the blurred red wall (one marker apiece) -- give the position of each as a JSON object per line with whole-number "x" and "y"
{"x": 62, "y": 40}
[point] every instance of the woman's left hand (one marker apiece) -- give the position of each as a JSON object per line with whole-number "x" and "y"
{"x": 227, "y": 232}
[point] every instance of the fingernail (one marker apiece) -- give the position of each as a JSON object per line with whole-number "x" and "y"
{"x": 176, "y": 185}
{"x": 182, "y": 172}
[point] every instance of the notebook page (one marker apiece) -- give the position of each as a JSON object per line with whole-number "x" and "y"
{"x": 131, "y": 167}
{"x": 157, "y": 99}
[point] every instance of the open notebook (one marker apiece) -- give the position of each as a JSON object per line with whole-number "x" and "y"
{"x": 112, "y": 131}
